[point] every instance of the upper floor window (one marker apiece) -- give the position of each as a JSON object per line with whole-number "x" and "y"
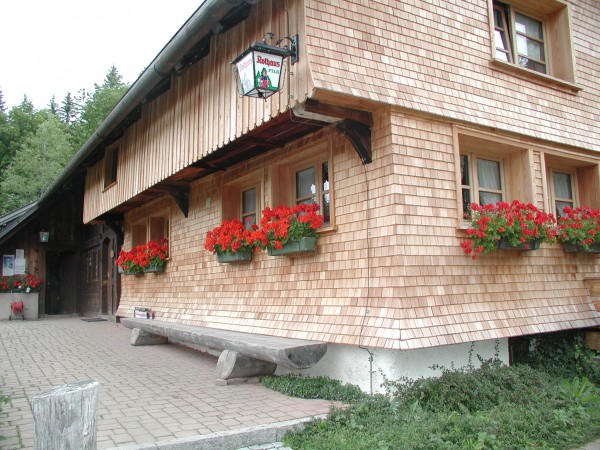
{"x": 534, "y": 36}
{"x": 525, "y": 46}
{"x": 110, "y": 166}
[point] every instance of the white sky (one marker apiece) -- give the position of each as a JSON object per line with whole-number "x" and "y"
{"x": 51, "y": 47}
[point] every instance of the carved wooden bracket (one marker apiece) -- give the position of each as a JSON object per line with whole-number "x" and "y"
{"x": 359, "y": 136}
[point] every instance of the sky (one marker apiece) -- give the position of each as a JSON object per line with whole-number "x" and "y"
{"x": 51, "y": 47}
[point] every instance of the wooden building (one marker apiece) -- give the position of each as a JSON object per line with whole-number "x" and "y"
{"x": 385, "y": 105}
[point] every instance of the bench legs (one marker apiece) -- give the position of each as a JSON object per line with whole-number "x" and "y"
{"x": 140, "y": 337}
{"x": 235, "y": 365}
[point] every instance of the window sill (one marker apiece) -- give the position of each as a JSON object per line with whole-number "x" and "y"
{"x": 107, "y": 187}
{"x": 535, "y": 77}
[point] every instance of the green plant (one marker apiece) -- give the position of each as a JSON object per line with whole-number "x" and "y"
{"x": 142, "y": 256}
{"x": 579, "y": 226}
{"x": 562, "y": 354}
{"x": 3, "y": 400}
{"x": 283, "y": 224}
{"x": 27, "y": 283}
{"x": 314, "y": 387}
{"x": 517, "y": 223}
{"x": 231, "y": 237}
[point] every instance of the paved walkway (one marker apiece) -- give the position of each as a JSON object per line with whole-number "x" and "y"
{"x": 150, "y": 397}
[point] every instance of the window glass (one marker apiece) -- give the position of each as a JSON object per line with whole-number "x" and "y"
{"x": 563, "y": 192}
{"x": 306, "y": 186}
{"x": 249, "y": 208}
{"x": 325, "y": 194}
{"x": 501, "y": 39}
{"x": 488, "y": 174}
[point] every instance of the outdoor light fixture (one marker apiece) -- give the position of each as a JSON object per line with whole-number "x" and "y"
{"x": 44, "y": 235}
{"x": 259, "y": 67}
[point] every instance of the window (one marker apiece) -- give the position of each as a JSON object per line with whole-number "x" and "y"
{"x": 242, "y": 199}
{"x": 249, "y": 210}
{"x": 481, "y": 180}
{"x": 110, "y": 166}
{"x": 534, "y": 36}
{"x": 525, "y": 45}
{"x": 312, "y": 186}
{"x": 491, "y": 169}
{"x": 562, "y": 190}
{"x": 152, "y": 228}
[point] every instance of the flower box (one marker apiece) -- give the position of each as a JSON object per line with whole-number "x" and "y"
{"x": 149, "y": 269}
{"x": 504, "y": 244}
{"x": 576, "y": 248}
{"x": 304, "y": 245}
{"x": 239, "y": 256}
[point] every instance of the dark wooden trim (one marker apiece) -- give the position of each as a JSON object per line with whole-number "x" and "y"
{"x": 339, "y": 112}
{"x": 359, "y": 136}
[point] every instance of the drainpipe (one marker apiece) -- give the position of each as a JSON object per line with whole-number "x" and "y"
{"x": 203, "y": 21}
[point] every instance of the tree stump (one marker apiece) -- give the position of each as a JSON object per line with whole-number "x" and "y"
{"x": 64, "y": 417}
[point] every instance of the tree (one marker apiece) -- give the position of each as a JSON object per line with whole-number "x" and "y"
{"x": 40, "y": 159}
{"x": 68, "y": 109}
{"x": 99, "y": 105}
{"x": 2, "y": 104}
{"x": 53, "y": 106}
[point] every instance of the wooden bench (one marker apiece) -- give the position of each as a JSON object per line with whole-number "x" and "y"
{"x": 243, "y": 355}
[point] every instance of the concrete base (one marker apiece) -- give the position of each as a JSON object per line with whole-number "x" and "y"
{"x": 235, "y": 365}
{"x": 140, "y": 337}
{"x": 251, "y": 380}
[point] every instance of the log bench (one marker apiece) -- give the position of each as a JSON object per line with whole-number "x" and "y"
{"x": 243, "y": 355}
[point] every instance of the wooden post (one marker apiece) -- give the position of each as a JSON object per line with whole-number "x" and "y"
{"x": 65, "y": 416}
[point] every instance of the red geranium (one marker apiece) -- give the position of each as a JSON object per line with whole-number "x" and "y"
{"x": 230, "y": 237}
{"x": 144, "y": 255}
{"x": 26, "y": 282}
{"x": 517, "y": 223}
{"x": 579, "y": 226}
{"x": 283, "y": 224}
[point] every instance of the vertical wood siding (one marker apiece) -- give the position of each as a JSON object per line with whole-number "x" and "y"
{"x": 202, "y": 111}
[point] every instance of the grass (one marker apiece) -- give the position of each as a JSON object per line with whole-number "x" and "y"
{"x": 533, "y": 405}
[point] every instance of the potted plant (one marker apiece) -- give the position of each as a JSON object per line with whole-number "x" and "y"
{"x": 507, "y": 226}
{"x": 155, "y": 256}
{"x": 286, "y": 230}
{"x": 150, "y": 257}
{"x": 23, "y": 288}
{"x": 579, "y": 229}
{"x": 231, "y": 241}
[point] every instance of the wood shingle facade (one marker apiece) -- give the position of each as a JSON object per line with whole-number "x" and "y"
{"x": 426, "y": 79}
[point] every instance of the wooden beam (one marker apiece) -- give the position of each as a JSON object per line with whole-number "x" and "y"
{"x": 339, "y": 112}
{"x": 359, "y": 136}
{"x": 180, "y": 192}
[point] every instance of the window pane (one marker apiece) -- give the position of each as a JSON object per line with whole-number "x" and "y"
{"x": 560, "y": 206}
{"x": 249, "y": 208}
{"x": 562, "y": 185}
{"x": 489, "y": 197}
{"x": 464, "y": 170}
{"x": 531, "y": 48}
{"x": 466, "y": 202}
{"x": 306, "y": 186}
{"x": 249, "y": 201}
{"x": 325, "y": 194}
{"x": 528, "y": 26}
{"x": 488, "y": 174}
{"x": 531, "y": 64}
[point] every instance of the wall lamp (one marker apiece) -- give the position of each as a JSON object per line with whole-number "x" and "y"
{"x": 259, "y": 67}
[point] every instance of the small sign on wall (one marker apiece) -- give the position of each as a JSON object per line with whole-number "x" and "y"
{"x": 8, "y": 265}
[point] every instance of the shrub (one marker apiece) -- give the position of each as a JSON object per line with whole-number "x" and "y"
{"x": 314, "y": 387}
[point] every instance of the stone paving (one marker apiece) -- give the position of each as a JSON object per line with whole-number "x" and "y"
{"x": 148, "y": 396}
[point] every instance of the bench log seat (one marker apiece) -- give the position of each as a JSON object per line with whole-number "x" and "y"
{"x": 243, "y": 354}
